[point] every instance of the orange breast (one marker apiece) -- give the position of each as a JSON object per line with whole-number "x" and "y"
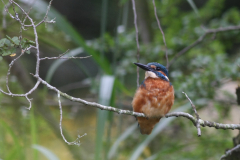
{"x": 155, "y": 98}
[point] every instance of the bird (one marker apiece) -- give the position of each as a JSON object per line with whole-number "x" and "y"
{"x": 154, "y": 97}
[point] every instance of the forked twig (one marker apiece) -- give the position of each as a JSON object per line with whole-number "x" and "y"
{"x": 195, "y": 111}
{"x": 77, "y": 141}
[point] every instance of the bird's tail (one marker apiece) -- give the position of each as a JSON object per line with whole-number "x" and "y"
{"x": 146, "y": 125}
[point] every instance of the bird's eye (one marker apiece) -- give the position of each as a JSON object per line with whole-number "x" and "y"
{"x": 158, "y": 68}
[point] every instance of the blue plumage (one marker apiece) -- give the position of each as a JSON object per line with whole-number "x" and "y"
{"x": 161, "y": 67}
{"x": 160, "y": 75}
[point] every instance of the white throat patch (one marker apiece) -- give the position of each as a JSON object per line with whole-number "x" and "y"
{"x": 152, "y": 75}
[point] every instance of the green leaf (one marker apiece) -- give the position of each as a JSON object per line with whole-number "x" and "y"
{"x": 24, "y": 45}
{"x": 30, "y": 42}
{"x": 2, "y": 42}
{"x": 8, "y": 37}
{"x": 11, "y": 41}
{"x": 6, "y": 53}
{"x": 16, "y": 40}
{"x": 28, "y": 52}
{"x": 12, "y": 50}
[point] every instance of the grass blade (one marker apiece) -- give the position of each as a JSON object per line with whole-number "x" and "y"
{"x": 192, "y": 4}
{"x": 105, "y": 94}
{"x": 46, "y": 152}
{"x": 121, "y": 138}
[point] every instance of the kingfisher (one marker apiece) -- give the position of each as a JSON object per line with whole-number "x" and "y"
{"x": 154, "y": 97}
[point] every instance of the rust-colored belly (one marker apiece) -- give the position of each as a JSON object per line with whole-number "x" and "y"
{"x": 154, "y": 98}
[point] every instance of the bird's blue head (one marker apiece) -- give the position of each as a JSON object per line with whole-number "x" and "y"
{"x": 159, "y": 67}
{"x": 156, "y": 68}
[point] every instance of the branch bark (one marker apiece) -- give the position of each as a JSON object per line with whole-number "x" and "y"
{"x": 196, "y": 121}
{"x": 200, "y": 39}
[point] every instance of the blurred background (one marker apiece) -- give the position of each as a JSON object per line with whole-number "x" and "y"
{"x": 208, "y": 73}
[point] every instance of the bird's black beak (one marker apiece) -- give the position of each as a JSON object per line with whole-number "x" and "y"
{"x": 143, "y": 66}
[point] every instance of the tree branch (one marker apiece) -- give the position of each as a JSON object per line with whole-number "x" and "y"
{"x": 203, "y": 123}
{"x": 77, "y": 141}
{"x": 207, "y": 31}
{"x": 195, "y": 111}
{"x": 45, "y": 58}
{"x": 229, "y": 152}
{"x": 196, "y": 121}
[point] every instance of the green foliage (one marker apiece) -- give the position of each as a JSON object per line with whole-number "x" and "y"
{"x": 203, "y": 75}
{"x": 9, "y": 45}
{"x": 199, "y": 72}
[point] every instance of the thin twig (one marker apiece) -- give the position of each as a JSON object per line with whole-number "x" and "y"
{"x": 77, "y": 141}
{"x": 9, "y": 71}
{"x": 30, "y": 103}
{"x": 207, "y": 31}
{"x": 6, "y": 9}
{"x": 25, "y": 18}
{"x": 4, "y": 13}
{"x": 196, "y": 121}
{"x": 186, "y": 49}
{"x": 195, "y": 111}
{"x": 64, "y": 57}
{"x": 63, "y": 53}
{"x": 159, "y": 26}
{"x": 36, "y": 37}
{"x": 35, "y": 47}
{"x": 136, "y": 28}
{"x": 229, "y": 28}
{"x": 229, "y": 152}
{"x": 45, "y": 17}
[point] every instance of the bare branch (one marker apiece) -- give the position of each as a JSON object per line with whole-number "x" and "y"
{"x": 45, "y": 17}
{"x": 159, "y": 26}
{"x": 196, "y": 121}
{"x": 230, "y": 28}
{"x": 229, "y": 152}
{"x": 25, "y": 18}
{"x": 4, "y": 13}
{"x": 207, "y": 31}
{"x": 136, "y": 28}
{"x": 9, "y": 70}
{"x": 30, "y": 103}
{"x": 195, "y": 111}
{"x": 77, "y": 141}
{"x": 35, "y": 34}
{"x": 203, "y": 123}
{"x": 186, "y": 49}
{"x": 63, "y": 53}
{"x": 6, "y": 9}
{"x": 64, "y": 57}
